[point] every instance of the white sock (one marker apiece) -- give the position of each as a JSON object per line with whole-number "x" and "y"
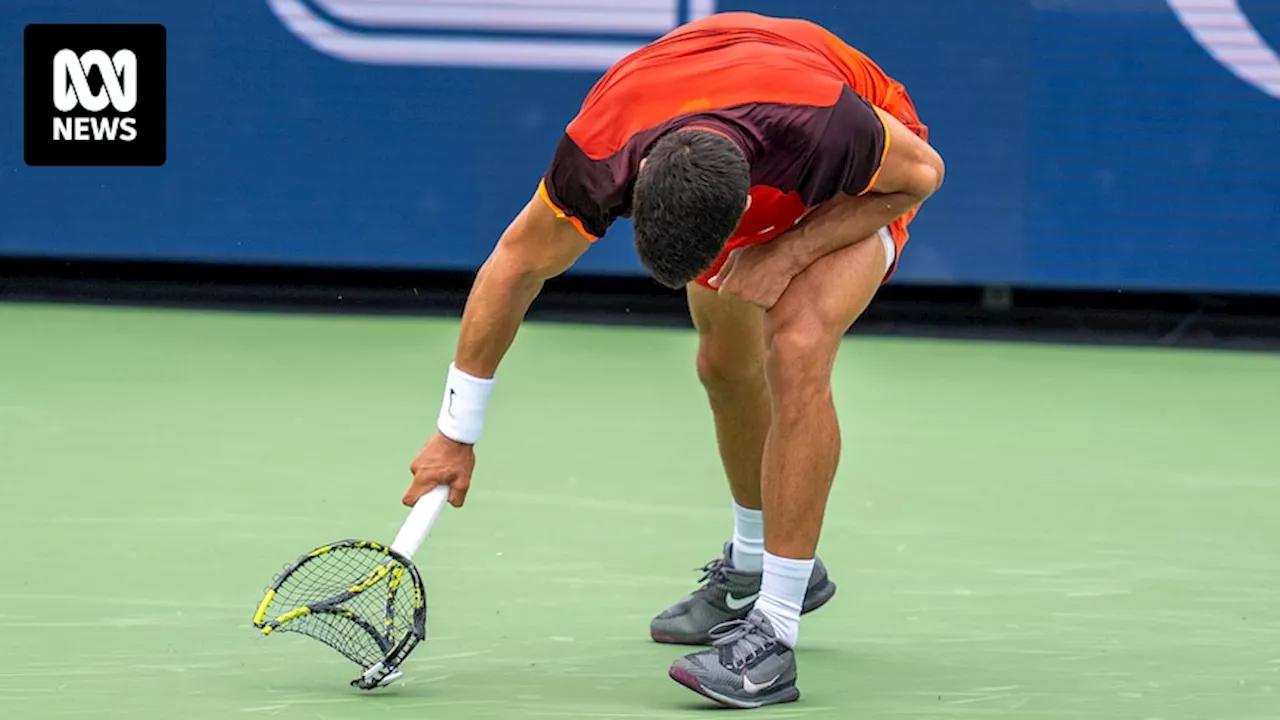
{"x": 748, "y": 539}
{"x": 782, "y": 594}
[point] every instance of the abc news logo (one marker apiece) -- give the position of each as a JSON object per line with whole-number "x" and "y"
{"x": 107, "y": 105}
{"x": 71, "y": 90}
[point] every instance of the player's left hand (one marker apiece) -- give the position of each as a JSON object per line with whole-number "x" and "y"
{"x": 757, "y": 274}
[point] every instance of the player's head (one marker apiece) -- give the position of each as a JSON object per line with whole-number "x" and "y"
{"x": 688, "y": 199}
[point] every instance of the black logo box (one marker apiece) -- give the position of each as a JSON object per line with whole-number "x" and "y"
{"x": 41, "y": 42}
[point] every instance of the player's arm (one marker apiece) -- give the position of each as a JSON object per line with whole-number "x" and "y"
{"x": 910, "y": 171}
{"x": 535, "y": 247}
{"x": 538, "y": 245}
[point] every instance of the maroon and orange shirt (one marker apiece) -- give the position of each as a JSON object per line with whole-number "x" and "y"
{"x": 797, "y": 100}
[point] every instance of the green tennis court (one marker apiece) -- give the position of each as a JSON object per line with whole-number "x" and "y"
{"x": 1018, "y": 531}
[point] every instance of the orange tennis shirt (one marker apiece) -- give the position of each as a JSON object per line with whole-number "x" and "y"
{"x": 791, "y": 95}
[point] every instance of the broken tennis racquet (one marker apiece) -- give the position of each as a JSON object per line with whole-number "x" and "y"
{"x": 361, "y": 598}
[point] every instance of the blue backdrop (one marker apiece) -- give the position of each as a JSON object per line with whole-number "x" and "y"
{"x": 1089, "y": 143}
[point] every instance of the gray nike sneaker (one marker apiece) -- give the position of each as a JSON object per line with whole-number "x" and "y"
{"x": 726, "y": 594}
{"x": 746, "y": 667}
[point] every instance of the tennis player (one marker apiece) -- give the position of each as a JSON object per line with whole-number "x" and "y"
{"x": 772, "y": 171}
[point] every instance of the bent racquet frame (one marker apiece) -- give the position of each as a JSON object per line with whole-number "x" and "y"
{"x": 398, "y": 564}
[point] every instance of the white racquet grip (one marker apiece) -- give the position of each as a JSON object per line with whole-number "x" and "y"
{"x": 418, "y": 525}
{"x": 462, "y": 408}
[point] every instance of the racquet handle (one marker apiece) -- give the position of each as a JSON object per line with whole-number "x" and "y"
{"x": 418, "y": 525}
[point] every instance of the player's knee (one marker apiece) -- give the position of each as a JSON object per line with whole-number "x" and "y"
{"x": 800, "y": 352}
{"x": 721, "y": 370}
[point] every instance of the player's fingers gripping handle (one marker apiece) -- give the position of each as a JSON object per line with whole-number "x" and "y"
{"x": 458, "y": 491}
{"x": 418, "y": 525}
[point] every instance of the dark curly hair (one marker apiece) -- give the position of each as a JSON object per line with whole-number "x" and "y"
{"x": 688, "y": 200}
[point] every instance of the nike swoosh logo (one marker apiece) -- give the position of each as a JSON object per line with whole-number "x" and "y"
{"x": 451, "y": 394}
{"x": 753, "y": 689}
{"x": 734, "y": 603}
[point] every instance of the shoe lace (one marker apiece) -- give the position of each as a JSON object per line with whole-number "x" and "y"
{"x": 741, "y": 641}
{"x": 715, "y": 572}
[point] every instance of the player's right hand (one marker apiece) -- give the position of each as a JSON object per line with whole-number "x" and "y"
{"x": 441, "y": 462}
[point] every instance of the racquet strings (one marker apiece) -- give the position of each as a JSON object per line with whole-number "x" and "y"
{"x": 358, "y": 601}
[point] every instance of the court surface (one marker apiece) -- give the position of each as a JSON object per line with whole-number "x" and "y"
{"x": 1018, "y": 531}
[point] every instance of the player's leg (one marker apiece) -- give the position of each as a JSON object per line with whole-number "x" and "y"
{"x": 731, "y": 367}
{"x": 756, "y": 663}
{"x": 804, "y": 332}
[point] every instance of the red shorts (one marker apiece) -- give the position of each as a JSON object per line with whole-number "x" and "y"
{"x": 783, "y": 210}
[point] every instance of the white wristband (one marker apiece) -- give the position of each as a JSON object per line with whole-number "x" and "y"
{"x": 462, "y": 409}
